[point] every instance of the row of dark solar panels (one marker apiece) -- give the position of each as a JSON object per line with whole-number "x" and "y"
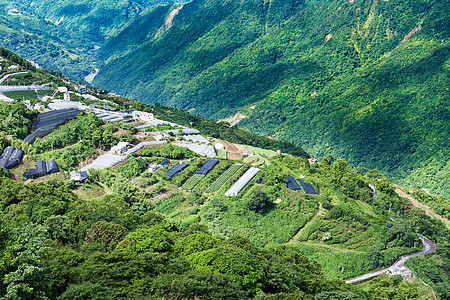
{"x": 46, "y": 122}
{"x": 204, "y": 169}
{"x": 293, "y": 185}
{"x": 11, "y": 157}
{"x": 42, "y": 169}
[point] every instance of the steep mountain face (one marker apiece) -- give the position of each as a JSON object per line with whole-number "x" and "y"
{"x": 365, "y": 80}
{"x": 66, "y": 36}
{"x": 145, "y": 27}
{"x": 90, "y": 20}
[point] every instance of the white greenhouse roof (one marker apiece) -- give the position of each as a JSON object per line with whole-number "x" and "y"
{"x": 242, "y": 182}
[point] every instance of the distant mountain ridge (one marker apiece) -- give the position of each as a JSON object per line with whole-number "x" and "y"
{"x": 364, "y": 80}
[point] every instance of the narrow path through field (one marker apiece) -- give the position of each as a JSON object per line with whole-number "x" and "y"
{"x": 332, "y": 247}
{"x": 321, "y": 212}
{"x": 416, "y": 203}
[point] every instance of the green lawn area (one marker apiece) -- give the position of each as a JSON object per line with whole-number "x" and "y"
{"x": 261, "y": 154}
{"x": 222, "y": 154}
{"x": 28, "y": 95}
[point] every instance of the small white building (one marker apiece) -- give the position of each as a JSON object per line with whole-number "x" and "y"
{"x": 78, "y": 175}
{"x": 62, "y": 89}
{"x": 219, "y": 146}
{"x": 66, "y": 96}
{"x": 402, "y": 271}
{"x": 146, "y": 117}
{"x": 120, "y": 148}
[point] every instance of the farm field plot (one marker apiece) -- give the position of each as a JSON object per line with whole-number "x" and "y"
{"x": 366, "y": 208}
{"x": 192, "y": 182}
{"x": 28, "y": 95}
{"x": 232, "y": 151}
{"x": 216, "y": 185}
{"x": 260, "y": 155}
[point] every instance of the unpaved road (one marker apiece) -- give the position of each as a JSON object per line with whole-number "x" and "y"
{"x": 416, "y": 203}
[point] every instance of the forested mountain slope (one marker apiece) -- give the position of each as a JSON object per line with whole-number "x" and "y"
{"x": 65, "y": 35}
{"x": 93, "y": 21}
{"x": 364, "y": 80}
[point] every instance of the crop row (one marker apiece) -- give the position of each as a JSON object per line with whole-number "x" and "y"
{"x": 216, "y": 185}
{"x": 192, "y": 182}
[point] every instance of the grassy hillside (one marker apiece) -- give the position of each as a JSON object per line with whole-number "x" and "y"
{"x": 364, "y": 80}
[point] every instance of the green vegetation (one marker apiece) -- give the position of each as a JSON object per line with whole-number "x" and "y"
{"x": 68, "y": 37}
{"x": 220, "y": 130}
{"x": 227, "y": 175}
{"x": 192, "y": 182}
{"x": 129, "y": 233}
{"x": 361, "y": 80}
{"x": 16, "y": 119}
{"x": 28, "y": 95}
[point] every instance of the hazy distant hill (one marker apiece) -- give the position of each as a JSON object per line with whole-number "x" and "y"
{"x": 364, "y": 80}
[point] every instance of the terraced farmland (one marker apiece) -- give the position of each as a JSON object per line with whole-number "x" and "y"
{"x": 192, "y": 182}
{"x": 216, "y": 185}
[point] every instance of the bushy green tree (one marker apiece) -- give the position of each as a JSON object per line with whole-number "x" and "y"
{"x": 259, "y": 202}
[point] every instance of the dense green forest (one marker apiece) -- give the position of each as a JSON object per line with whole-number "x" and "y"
{"x": 65, "y": 36}
{"x": 364, "y": 80}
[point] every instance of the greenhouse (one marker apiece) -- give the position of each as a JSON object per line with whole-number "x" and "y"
{"x": 292, "y": 184}
{"x": 307, "y": 187}
{"x": 46, "y": 122}
{"x": 176, "y": 169}
{"x": 242, "y": 182}
{"x": 42, "y": 169}
{"x": 11, "y": 157}
{"x": 207, "y": 167}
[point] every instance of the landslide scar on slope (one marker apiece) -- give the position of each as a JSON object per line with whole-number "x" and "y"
{"x": 168, "y": 22}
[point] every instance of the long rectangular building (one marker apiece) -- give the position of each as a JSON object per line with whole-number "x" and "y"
{"x": 176, "y": 169}
{"x": 242, "y": 182}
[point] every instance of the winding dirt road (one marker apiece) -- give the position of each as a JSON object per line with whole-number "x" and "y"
{"x": 416, "y": 203}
